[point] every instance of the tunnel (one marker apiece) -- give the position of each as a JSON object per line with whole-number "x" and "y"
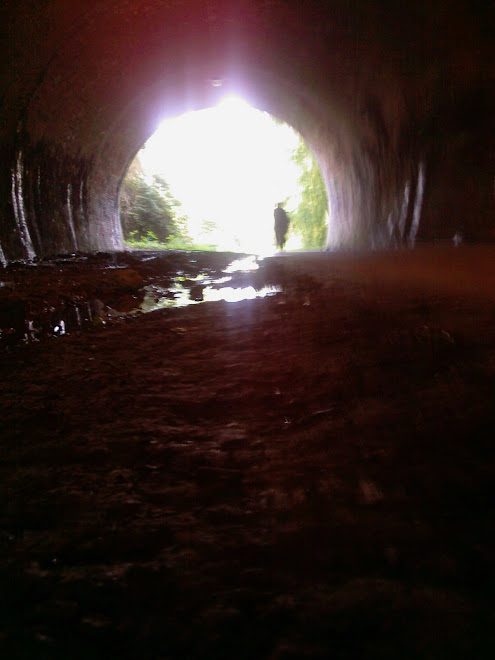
{"x": 302, "y": 473}
{"x": 395, "y": 101}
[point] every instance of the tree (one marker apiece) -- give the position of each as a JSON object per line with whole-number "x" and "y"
{"x": 148, "y": 210}
{"x": 309, "y": 219}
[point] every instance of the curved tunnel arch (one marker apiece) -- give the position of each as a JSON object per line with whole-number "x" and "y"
{"x": 364, "y": 85}
{"x": 275, "y": 98}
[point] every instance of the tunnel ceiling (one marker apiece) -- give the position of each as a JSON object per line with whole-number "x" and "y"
{"x": 396, "y": 101}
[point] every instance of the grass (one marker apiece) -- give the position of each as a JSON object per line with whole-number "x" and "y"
{"x": 173, "y": 243}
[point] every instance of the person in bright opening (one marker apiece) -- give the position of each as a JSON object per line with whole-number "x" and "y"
{"x": 281, "y": 225}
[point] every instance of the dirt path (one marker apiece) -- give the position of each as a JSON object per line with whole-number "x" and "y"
{"x": 308, "y": 475}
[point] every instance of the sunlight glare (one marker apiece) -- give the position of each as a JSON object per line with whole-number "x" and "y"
{"x": 229, "y": 165}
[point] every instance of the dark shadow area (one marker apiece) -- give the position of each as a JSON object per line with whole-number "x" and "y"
{"x": 243, "y": 480}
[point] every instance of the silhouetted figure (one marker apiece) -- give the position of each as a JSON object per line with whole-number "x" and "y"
{"x": 281, "y": 225}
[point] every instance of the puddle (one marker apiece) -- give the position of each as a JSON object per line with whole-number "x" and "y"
{"x": 236, "y": 282}
{"x": 53, "y": 322}
{"x": 178, "y": 296}
{"x": 208, "y": 288}
{"x": 249, "y": 263}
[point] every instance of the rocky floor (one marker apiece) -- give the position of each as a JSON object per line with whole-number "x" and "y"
{"x": 307, "y": 475}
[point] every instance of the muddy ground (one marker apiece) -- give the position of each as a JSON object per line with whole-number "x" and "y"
{"x": 307, "y": 475}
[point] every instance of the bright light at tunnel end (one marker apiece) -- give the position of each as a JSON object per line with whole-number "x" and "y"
{"x": 229, "y": 165}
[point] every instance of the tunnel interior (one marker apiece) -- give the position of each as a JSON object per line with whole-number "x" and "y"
{"x": 307, "y": 475}
{"x": 396, "y": 104}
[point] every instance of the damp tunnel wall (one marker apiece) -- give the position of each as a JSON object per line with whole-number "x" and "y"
{"x": 396, "y": 103}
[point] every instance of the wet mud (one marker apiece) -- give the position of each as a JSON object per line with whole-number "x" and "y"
{"x": 304, "y": 475}
{"x": 76, "y": 292}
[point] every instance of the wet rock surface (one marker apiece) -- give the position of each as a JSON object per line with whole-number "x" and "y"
{"x": 76, "y": 292}
{"x": 308, "y": 475}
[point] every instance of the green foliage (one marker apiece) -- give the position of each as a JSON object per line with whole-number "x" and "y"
{"x": 180, "y": 243}
{"x": 309, "y": 219}
{"x": 173, "y": 243}
{"x": 146, "y": 210}
{"x": 151, "y": 217}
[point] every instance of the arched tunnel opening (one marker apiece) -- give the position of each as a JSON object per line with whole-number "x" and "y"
{"x": 211, "y": 179}
{"x": 306, "y": 472}
{"x": 390, "y": 146}
{"x": 381, "y": 114}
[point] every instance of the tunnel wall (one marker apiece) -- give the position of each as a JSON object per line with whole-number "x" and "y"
{"x": 397, "y": 104}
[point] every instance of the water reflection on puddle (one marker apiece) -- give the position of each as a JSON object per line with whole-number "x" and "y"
{"x": 178, "y": 296}
{"x": 53, "y": 322}
{"x": 243, "y": 265}
{"x": 204, "y": 288}
{"x": 234, "y": 283}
